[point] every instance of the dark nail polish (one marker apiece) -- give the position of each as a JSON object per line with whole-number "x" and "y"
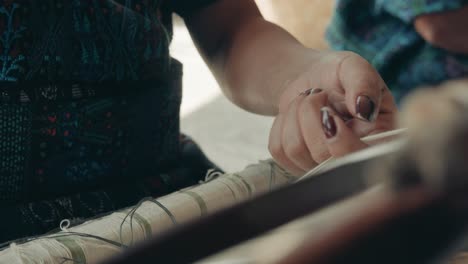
{"x": 306, "y": 92}
{"x": 328, "y": 123}
{"x": 316, "y": 91}
{"x": 311, "y": 91}
{"x": 365, "y": 108}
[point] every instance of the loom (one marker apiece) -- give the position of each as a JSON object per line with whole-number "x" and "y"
{"x": 398, "y": 202}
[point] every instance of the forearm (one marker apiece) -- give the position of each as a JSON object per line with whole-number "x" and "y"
{"x": 252, "y": 59}
{"x": 260, "y": 63}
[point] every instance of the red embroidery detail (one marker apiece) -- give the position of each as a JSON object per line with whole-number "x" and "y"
{"x": 52, "y": 119}
{"x": 51, "y": 131}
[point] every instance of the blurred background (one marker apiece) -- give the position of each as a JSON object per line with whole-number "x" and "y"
{"x": 231, "y": 137}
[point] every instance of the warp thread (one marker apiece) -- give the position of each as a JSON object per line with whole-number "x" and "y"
{"x": 65, "y": 224}
{"x": 211, "y": 175}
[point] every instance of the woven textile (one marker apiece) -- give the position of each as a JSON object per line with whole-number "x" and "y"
{"x": 151, "y": 217}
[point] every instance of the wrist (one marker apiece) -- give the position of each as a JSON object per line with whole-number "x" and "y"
{"x": 299, "y": 76}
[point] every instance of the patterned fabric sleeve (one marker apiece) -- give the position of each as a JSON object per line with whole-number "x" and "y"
{"x": 186, "y": 7}
{"x": 408, "y": 10}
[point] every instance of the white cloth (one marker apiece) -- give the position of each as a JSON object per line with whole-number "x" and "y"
{"x": 149, "y": 219}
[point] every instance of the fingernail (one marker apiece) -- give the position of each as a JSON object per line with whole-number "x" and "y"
{"x": 328, "y": 123}
{"x": 365, "y": 108}
{"x": 306, "y": 92}
{"x": 311, "y": 91}
{"x": 316, "y": 91}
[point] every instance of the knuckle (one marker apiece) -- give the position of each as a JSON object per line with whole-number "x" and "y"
{"x": 350, "y": 57}
{"x": 275, "y": 150}
{"x": 306, "y": 106}
{"x": 313, "y": 102}
{"x": 430, "y": 30}
{"x": 346, "y": 53}
{"x": 432, "y": 35}
{"x": 320, "y": 156}
{"x": 295, "y": 151}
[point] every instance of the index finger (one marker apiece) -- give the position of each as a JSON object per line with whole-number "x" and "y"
{"x": 363, "y": 87}
{"x": 339, "y": 139}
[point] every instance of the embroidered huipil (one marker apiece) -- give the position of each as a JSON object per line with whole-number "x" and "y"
{"x": 382, "y": 31}
{"x": 89, "y": 107}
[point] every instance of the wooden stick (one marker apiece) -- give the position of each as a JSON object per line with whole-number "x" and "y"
{"x": 368, "y": 139}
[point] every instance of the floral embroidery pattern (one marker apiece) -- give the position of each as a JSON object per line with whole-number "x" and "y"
{"x": 9, "y": 60}
{"x": 86, "y": 40}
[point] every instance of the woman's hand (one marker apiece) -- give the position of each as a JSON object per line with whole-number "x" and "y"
{"x": 349, "y": 101}
{"x": 446, "y": 30}
{"x": 265, "y": 70}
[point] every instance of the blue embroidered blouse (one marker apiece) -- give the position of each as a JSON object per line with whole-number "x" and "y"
{"x": 382, "y": 32}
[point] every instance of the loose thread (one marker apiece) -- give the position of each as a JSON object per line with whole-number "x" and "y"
{"x": 211, "y": 175}
{"x": 131, "y": 213}
{"x": 270, "y": 187}
{"x": 169, "y": 213}
{"x": 65, "y": 224}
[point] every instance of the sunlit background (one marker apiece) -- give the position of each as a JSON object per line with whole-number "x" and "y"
{"x": 231, "y": 137}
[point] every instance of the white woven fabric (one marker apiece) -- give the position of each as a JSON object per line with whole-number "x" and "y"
{"x": 150, "y": 218}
